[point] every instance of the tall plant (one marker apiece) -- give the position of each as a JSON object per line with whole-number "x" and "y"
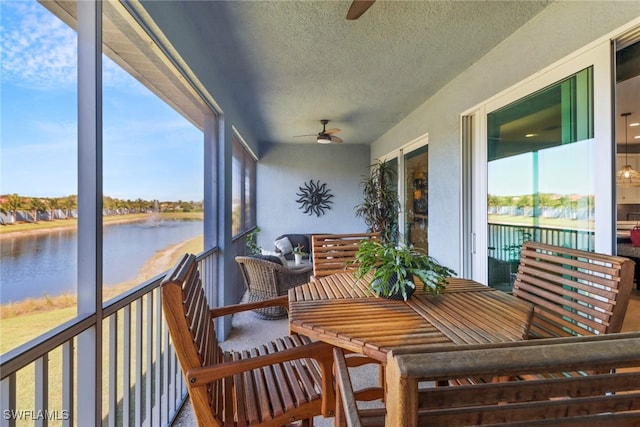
{"x": 380, "y": 205}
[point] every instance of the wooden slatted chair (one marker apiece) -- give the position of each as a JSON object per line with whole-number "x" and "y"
{"x": 573, "y": 292}
{"x": 278, "y": 383}
{"x": 347, "y": 411}
{"x": 333, "y": 253}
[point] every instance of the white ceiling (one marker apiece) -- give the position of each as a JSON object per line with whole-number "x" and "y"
{"x": 291, "y": 63}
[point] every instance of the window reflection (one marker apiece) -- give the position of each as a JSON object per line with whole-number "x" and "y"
{"x": 540, "y": 173}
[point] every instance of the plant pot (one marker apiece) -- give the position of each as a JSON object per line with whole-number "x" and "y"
{"x": 298, "y": 258}
{"x": 378, "y": 289}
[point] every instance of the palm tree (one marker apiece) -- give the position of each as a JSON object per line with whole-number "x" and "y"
{"x": 36, "y": 205}
{"x": 69, "y": 203}
{"x": 13, "y": 204}
{"x": 54, "y": 205}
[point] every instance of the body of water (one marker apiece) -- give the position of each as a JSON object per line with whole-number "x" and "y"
{"x": 46, "y": 263}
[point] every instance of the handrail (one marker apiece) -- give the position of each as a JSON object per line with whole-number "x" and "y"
{"x": 34, "y": 349}
{"x": 30, "y": 351}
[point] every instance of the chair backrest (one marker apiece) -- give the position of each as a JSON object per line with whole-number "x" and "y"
{"x": 610, "y": 398}
{"x": 332, "y": 253}
{"x": 193, "y": 334}
{"x": 259, "y": 274}
{"x": 574, "y": 292}
{"x": 265, "y": 279}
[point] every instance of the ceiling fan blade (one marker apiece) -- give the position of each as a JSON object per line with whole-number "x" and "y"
{"x": 358, "y": 7}
{"x": 330, "y": 131}
{"x": 335, "y": 139}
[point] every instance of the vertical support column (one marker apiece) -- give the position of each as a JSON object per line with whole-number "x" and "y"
{"x": 225, "y": 258}
{"x": 90, "y": 209}
{"x": 211, "y": 220}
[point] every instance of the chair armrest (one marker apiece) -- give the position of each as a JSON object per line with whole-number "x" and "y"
{"x": 347, "y": 405}
{"x": 319, "y": 351}
{"x": 282, "y": 301}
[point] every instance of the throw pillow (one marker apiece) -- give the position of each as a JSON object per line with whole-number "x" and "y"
{"x": 284, "y": 245}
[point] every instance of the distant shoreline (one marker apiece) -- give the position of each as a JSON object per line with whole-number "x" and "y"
{"x": 41, "y": 227}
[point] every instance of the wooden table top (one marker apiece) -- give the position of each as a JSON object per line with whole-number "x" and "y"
{"x": 339, "y": 311}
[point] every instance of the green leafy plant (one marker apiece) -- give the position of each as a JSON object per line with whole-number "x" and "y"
{"x": 380, "y": 205}
{"x": 252, "y": 242}
{"x": 391, "y": 269}
{"x": 298, "y": 250}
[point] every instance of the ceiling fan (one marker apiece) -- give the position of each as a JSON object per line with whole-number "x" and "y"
{"x": 326, "y": 135}
{"x": 358, "y": 7}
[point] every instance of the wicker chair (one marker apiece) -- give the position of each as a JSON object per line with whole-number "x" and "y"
{"x": 266, "y": 279}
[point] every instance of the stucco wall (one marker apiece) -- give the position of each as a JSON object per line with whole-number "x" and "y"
{"x": 559, "y": 30}
{"x": 283, "y": 168}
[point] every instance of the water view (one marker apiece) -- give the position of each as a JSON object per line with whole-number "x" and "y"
{"x": 45, "y": 264}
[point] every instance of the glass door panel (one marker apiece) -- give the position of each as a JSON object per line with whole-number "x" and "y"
{"x": 540, "y": 178}
{"x": 415, "y": 197}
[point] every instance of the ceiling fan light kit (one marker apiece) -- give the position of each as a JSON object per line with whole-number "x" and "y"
{"x": 326, "y": 136}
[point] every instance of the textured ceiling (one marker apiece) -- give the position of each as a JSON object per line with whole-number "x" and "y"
{"x": 292, "y": 63}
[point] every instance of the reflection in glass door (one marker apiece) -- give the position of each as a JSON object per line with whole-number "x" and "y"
{"x": 415, "y": 197}
{"x": 540, "y": 178}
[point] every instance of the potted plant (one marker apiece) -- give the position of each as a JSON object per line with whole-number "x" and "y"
{"x": 298, "y": 253}
{"x": 391, "y": 270}
{"x": 380, "y": 204}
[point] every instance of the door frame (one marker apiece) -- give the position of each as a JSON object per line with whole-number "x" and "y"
{"x": 399, "y": 153}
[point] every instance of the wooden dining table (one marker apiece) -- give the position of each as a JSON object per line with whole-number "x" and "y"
{"x": 339, "y": 310}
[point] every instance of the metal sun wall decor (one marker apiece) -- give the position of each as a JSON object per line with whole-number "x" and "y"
{"x": 314, "y": 198}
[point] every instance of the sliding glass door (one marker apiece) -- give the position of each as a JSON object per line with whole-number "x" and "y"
{"x": 416, "y": 207}
{"x": 411, "y": 164}
{"x": 543, "y": 157}
{"x": 540, "y": 179}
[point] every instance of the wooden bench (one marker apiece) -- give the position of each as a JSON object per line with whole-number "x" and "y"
{"x": 611, "y": 397}
{"x": 574, "y": 292}
{"x": 275, "y": 384}
{"x": 333, "y": 253}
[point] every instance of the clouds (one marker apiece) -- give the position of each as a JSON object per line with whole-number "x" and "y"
{"x": 38, "y": 49}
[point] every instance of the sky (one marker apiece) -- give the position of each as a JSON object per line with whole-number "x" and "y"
{"x": 563, "y": 169}
{"x": 149, "y": 151}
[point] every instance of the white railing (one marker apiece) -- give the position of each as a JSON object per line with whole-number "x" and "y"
{"x": 141, "y": 381}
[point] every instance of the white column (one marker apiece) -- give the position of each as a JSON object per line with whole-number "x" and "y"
{"x": 90, "y": 210}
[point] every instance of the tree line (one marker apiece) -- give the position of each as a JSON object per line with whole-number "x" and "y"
{"x": 51, "y": 208}
{"x": 543, "y": 200}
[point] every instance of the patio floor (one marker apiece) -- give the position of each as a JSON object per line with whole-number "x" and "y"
{"x": 249, "y": 331}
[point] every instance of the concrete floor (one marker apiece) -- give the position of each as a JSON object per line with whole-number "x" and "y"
{"x": 249, "y": 331}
